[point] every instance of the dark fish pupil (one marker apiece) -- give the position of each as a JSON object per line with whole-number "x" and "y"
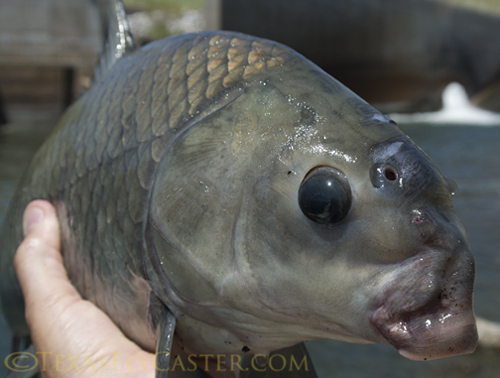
{"x": 390, "y": 174}
{"x": 325, "y": 195}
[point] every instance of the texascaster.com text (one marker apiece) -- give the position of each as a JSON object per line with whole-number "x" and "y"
{"x": 48, "y": 361}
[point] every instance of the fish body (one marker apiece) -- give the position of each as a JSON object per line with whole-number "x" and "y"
{"x": 232, "y": 181}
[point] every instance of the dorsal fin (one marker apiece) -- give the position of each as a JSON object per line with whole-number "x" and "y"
{"x": 118, "y": 40}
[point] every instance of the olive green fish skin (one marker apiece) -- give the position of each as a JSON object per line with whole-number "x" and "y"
{"x": 99, "y": 164}
{"x": 179, "y": 172}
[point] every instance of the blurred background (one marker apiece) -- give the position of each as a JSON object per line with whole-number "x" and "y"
{"x": 433, "y": 65}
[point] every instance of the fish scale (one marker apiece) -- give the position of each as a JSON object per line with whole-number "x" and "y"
{"x": 99, "y": 163}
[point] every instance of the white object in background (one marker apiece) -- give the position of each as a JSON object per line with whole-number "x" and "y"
{"x": 457, "y": 109}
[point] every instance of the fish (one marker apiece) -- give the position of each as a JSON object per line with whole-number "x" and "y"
{"x": 221, "y": 194}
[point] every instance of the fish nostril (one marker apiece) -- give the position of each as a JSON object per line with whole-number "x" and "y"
{"x": 390, "y": 174}
{"x": 383, "y": 174}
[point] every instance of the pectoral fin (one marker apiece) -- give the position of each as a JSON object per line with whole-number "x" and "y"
{"x": 164, "y": 322}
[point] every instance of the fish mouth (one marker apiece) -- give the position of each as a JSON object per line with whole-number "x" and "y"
{"x": 432, "y": 316}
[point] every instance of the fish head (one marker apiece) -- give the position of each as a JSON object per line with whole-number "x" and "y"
{"x": 296, "y": 211}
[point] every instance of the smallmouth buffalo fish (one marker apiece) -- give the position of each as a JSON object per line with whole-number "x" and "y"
{"x": 225, "y": 187}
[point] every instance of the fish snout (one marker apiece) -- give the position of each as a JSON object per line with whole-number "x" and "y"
{"x": 425, "y": 306}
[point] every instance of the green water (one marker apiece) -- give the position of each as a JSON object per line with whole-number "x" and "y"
{"x": 468, "y": 155}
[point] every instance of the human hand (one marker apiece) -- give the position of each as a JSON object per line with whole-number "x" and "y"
{"x": 72, "y": 337}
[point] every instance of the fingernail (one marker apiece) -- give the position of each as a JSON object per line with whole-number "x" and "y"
{"x": 32, "y": 217}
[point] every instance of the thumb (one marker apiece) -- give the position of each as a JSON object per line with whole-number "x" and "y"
{"x": 40, "y": 222}
{"x": 38, "y": 260}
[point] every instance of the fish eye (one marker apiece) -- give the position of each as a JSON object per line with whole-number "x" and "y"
{"x": 325, "y": 195}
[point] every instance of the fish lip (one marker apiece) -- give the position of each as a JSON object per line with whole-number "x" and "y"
{"x": 414, "y": 339}
{"x": 427, "y": 327}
